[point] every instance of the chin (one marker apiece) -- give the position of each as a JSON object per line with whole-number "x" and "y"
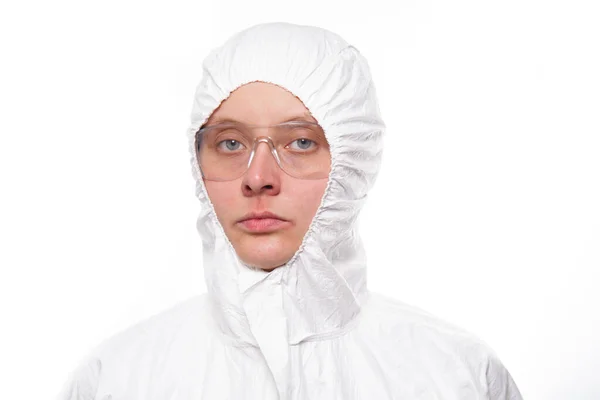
{"x": 264, "y": 253}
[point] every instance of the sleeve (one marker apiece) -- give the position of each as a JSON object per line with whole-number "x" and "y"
{"x": 500, "y": 383}
{"x": 82, "y": 382}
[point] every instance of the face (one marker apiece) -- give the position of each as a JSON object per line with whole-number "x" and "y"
{"x": 265, "y": 187}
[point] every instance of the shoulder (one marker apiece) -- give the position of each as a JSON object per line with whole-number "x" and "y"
{"x": 139, "y": 347}
{"x": 393, "y": 313}
{"x": 165, "y": 325}
{"x": 424, "y": 331}
{"x": 439, "y": 345}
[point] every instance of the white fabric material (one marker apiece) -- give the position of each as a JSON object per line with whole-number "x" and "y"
{"x": 309, "y": 329}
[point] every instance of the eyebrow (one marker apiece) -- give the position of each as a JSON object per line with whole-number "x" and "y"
{"x": 307, "y": 117}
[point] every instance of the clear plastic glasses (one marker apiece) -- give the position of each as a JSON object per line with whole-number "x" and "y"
{"x": 225, "y": 151}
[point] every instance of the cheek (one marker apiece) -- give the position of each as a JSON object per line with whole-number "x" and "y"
{"x": 307, "y": 198}
{"x": 222, "y": 195}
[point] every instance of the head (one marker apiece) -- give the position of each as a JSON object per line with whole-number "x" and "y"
{"x": 322, "y": 286}
{"x": 264, "y": 187}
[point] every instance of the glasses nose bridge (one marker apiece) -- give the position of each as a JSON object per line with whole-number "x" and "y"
{"x": 272, "y": 149}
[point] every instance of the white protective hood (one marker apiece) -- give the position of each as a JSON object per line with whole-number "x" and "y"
{"x": 310, "y": 329}
{"x": 321, "y": 288}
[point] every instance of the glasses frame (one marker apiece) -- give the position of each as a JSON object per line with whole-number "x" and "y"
{"x": 257, "y": 140}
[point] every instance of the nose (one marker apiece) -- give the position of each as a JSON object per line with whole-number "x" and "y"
{"x": 263, "y": 174}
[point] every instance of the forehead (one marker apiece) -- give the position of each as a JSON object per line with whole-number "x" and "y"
{"x": 261, "y": 103}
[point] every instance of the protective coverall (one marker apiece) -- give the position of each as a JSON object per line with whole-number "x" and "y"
{"x": 310, "y": 329}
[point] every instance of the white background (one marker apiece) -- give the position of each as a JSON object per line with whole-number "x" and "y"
{"x": 485, "y": 213}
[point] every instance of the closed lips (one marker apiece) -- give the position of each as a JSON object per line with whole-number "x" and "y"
{"x": 261, "y": 215}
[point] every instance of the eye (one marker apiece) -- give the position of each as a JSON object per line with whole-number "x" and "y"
{"x": 303, "y": 143}
{"x": 230, "y": 144}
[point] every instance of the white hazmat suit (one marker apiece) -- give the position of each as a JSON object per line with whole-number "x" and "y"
{"x": 309, "y": 329}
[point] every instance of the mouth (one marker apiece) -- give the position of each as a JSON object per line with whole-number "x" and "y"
{"x": 263, "y": 222}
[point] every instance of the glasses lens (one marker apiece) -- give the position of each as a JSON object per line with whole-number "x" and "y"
{"x": 303, "y": 151}
{"x": 224, "y": 150}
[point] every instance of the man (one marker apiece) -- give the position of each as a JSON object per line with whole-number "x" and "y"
{"x": 285, "y": 143}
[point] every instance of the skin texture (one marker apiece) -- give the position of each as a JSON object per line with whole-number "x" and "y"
{"x": 265, "y": 186}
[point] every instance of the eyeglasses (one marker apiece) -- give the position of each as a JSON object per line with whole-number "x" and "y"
{"x": 225, "y": 151}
